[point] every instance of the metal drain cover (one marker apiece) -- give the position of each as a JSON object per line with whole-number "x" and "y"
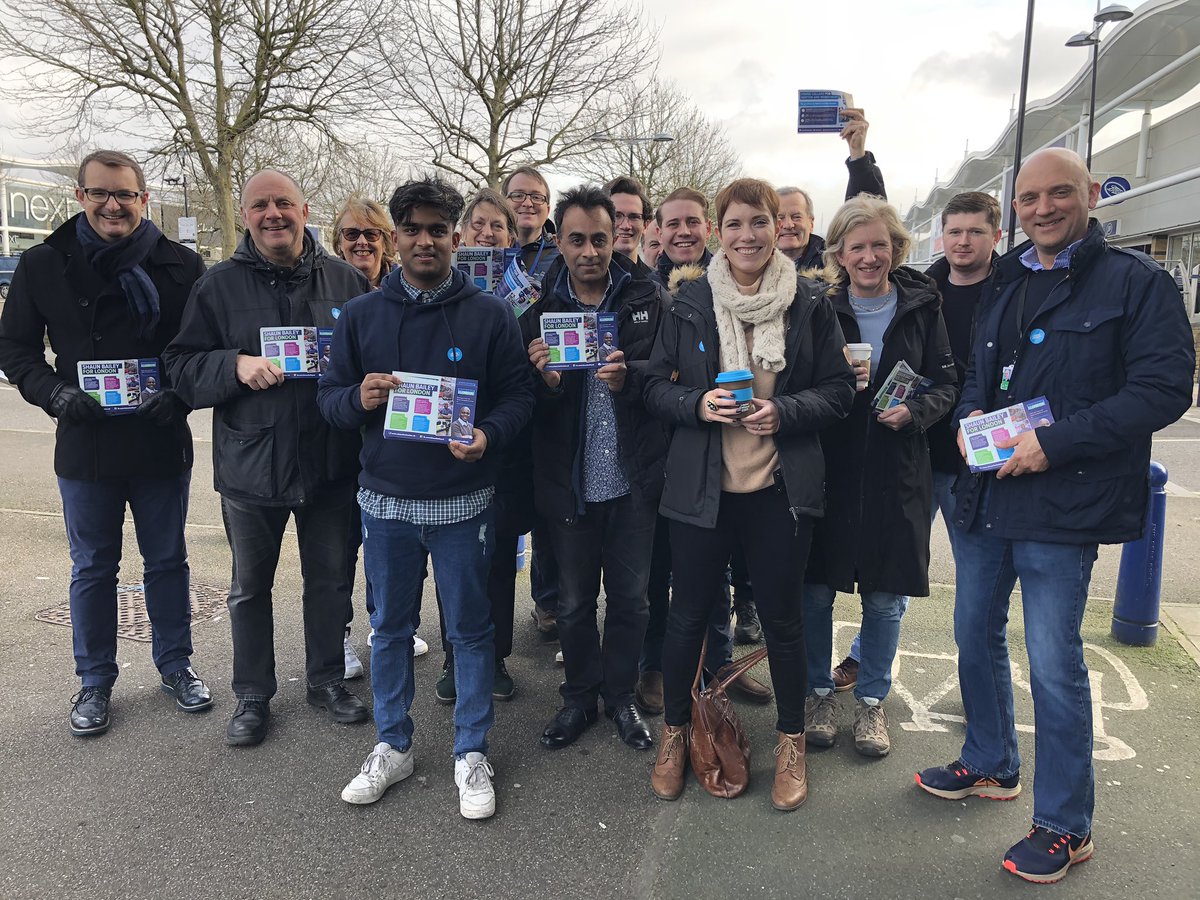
{"x": 133, "y": 623}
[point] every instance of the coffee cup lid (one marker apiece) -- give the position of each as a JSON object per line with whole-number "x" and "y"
{"x": 735, "y": 375}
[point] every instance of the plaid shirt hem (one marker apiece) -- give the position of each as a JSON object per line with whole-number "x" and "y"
{"x": 440, "y": 511}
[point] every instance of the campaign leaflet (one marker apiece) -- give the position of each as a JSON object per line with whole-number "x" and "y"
{"x": 516, "y": 289}
{"x": 300, "y": 351}
{"x": 980, "y": 433}
{"x": 484, "y": 266}
{"x": 579, "y": 340}
{"x": 435, "y": 408}
{"x": 821, "y": 112}
{"x": 119, "y": 385}
{"x": 902, "y": 384}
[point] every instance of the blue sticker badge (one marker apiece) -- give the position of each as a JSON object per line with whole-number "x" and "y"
{"x": 454, "y": 354}
{"x": 336, "y": 311}
{"x": 1037, "y": 336}
{"x": 702, "y": 346}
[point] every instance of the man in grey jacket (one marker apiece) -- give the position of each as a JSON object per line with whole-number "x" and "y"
{"x": 274, "y": 456}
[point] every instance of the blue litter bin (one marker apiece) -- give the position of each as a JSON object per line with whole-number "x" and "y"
{"x": 521, "y": 552}
{"x": 1139, "y": 581}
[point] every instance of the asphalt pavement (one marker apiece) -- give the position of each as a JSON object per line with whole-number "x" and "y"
{"x": 160, "y": 807}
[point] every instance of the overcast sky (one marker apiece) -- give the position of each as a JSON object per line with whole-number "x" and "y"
{"x": 932, "y": 75}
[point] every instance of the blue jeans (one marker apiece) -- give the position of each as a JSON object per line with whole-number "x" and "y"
{"x": 880, "y": 636}
{"x": 1054, "y": 585}
{"x": 94, "y": 512}
{"x": 394, "y": 559}
{"x": 943, "y": 499}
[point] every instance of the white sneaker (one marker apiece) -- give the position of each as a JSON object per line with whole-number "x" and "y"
{"x": 385, "y": 766}
{"x": 371, "y": 638}
{"x": 476, "y": 796}
{"x": 354, "y": 666}
{"x": 420, "y": 648}
{"x": 558, "y": 657}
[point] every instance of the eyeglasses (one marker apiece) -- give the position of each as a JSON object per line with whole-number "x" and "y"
{"x": 100, "y": 195}
{"x": 521, "y": 196}
{"x": 632, "y": 218}
{"x": 353, "y": 234}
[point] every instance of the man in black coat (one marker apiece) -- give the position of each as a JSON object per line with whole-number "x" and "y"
{"x": 598, "y": 470}
{"x": 274, "y": 456}
{"x": 108, "y": 285}
{"x": 1099, "y": 332}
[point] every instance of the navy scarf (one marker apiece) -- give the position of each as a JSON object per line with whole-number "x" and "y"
{"x": 121, "y": 261}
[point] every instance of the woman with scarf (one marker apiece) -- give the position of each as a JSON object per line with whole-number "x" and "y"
{"x": 752, "y": 481}
{"x": 878, "y": 484}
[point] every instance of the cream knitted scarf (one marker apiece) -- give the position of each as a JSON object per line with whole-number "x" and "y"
{"x": 766, "y": 311}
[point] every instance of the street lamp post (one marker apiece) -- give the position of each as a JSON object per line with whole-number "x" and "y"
{"x": 181, "y": 181}
{"x": 661, "y": 137}
{"x": 1020, "y": 134}
{"x": 1114, "y": 12}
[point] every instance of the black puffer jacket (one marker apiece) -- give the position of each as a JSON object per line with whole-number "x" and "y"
{"x": 270, "y": 446}
{"x": 814, "y": 390}
{"x": 559, "y": 417}
{"x": 55, "y": 291}
{"x": 878, "y": 484}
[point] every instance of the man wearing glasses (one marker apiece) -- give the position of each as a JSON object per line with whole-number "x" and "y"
{"x": 633, "y": 213}
{"x": 527, "y": 191}
{"x": 274, "y": 456}
{"x": 107, "y": 285}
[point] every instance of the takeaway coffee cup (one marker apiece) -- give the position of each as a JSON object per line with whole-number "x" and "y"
{"x": 860, "y": 353}
{"x": 739, "y": 382}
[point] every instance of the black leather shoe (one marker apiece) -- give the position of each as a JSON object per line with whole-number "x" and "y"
{"x": 566, "y": 726}
{"x": 190, "y": 693}
{"x": 89, "y": 711}
{"x": 341, "y": 705}
{"x": 249, "y": 723}
{"x": 633, "y": 731}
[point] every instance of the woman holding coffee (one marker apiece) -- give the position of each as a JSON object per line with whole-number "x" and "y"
{"x": 744, "y": 479}
{"x": 874, "y": 537}
{"x": 363, "y": 237}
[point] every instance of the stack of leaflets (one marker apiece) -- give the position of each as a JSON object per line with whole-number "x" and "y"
{"x": 434, "y": 408}
{"x": 119, "y": 385}
{"x": 579, "y": 340}
{"x": 516, "y": 289}
{"x": 821, "y": 111}
{"x": 899, "y": 386}
{"x": 300, "y": 351}
{"x": 980, "y": 433}
{"x": 485, "y": 266}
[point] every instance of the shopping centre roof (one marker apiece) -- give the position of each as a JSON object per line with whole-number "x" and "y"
{"x": 1159, "y": 34}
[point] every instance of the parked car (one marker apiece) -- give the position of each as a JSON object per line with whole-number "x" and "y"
{"x": 8, "y": 265}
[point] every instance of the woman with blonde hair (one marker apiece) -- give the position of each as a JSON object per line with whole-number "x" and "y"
{"x": 363, "y": 237}
{"x": 874, "y": 537}
{"x": 739, "y": 478}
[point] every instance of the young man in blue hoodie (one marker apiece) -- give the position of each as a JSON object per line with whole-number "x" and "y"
{"x": 421, "y": 498}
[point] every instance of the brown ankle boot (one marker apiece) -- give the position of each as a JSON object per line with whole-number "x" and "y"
{"x": 791, "y": 775}
{"x": 671, "y": 764}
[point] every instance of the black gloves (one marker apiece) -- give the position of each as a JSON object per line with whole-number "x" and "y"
{"x": 70, "y": 404}
{"x": 163, "y": 408}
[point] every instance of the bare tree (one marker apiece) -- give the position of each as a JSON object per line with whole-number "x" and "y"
{"x": 190, "y": 77}
{"x": 483, "y": 86}
{"x": 701, "y": 155}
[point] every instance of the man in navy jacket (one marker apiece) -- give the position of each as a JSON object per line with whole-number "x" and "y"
{"x": 421, "y": 498}
{"x": 1100, "y": 333}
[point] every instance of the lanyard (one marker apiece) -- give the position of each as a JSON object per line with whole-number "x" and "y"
{"x": 1006, "y": 373}
{"x": 541, "y": 247}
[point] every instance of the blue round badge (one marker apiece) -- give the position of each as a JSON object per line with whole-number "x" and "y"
{"x": 336, "y": 311}
{"x": 702, "y": 346}
{"x": 1037, "y": 336}
{"x": 454, "y": 354}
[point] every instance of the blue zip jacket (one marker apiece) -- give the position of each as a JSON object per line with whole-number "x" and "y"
{"x": 1115, "y": 360}
{"x": 467, "y": 334}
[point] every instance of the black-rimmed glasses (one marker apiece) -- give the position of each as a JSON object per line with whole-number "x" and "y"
{"x": 521, "y": 196}
{"x": 353, "y": 234}
{"x": 100, "y": 195}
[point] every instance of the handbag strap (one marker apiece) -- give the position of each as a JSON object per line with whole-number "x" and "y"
{"x": 735, "y": 670}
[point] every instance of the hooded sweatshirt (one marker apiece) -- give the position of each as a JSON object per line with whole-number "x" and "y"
{"x": 465, "y": 334}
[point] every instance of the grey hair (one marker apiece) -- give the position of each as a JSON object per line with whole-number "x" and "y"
{"x": 791, "y": 189}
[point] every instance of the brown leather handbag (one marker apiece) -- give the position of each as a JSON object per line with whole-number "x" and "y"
{"x": 719, "y": 750}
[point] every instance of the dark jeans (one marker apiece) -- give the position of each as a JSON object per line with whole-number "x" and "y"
{"x": 255, "y": 535}
{"x": 658, "y": 593}
{"x": 776, "y": 547}
{"x": 612, "y": 539}
{"x": 394, "y": 554}
{"x": 94, "y": 512}
{"x": 543, "y": 569}
{"x": 353, "y": 545}
{"x": 502, "y": 597}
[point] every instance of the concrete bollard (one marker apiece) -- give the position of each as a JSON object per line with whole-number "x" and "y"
{"x": 1139, "y": 582}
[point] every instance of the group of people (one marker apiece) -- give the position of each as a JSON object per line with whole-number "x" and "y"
{"x": 645, "y": 475}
